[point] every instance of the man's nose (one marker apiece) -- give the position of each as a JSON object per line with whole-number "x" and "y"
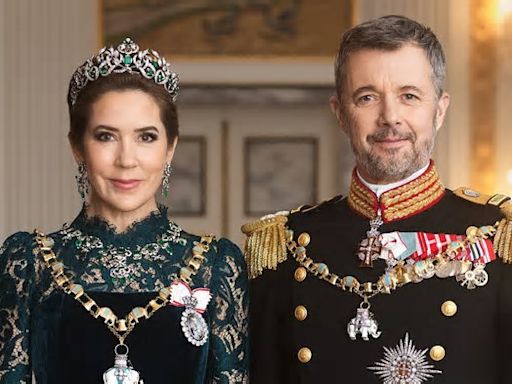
{"x": 390, "y": 113}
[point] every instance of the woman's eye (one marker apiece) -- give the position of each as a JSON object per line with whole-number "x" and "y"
{"x": 148, "y": 137}
{"x": 104, "y": 136}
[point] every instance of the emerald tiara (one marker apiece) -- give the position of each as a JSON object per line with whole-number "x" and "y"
{"x": 125, "y": 58}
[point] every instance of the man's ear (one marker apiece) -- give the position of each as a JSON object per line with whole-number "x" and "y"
{"x": 442, "y": 106}
{"x": 337, "y": 110}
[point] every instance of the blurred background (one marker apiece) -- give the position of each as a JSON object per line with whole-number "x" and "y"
{"x": 257, "y": 134}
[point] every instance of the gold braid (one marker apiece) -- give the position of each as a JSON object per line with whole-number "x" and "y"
{"x": 265, "y": 246}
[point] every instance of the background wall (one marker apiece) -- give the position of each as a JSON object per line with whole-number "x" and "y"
{"x": 449, "y": 20}
{"x": 504, "y": 99}
{"x": 42, "y": 42}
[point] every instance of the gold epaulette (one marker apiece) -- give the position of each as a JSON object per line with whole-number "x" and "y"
{"x": 503, "y": 239}
{"x": 265, "y": 246}
{"x": 502, "y": 242}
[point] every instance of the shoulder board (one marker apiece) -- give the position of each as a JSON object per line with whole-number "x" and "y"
{"x": 479, "y": 198}
{"x": 265, "y": 245}
{"x": 502, "y": 242}
{"x": 323, "y": 203}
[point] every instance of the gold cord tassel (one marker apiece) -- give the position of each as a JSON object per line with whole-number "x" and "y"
{"x": 503, "y": 238}
{"x": 265, "y": 246}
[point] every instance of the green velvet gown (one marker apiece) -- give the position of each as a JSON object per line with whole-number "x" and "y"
{"x": 47, "y": 334}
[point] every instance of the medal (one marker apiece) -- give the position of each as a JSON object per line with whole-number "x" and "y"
{"x": 193, "y": 325}
{"x": 473, "y": 278}
{"x": 369, "y": 248}
{"x": 364, "y": 323}
{"x": 404, "y": 364}
{"x": 195, "y": 301}
{"x": 122, "y": 371}
{"x": 464, "y": 258}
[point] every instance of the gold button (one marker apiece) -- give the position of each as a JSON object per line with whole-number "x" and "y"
{"x": 304, "y": 239}
{"x": 437, "y": 353}
{"x": 300, "y": 274}
{"x": 449, "y": 308}
{"x": 301, "y": 312}
{"x": 304, "y": 355}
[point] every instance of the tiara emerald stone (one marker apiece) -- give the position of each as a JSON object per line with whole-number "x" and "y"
{"x": 126, "y": 57}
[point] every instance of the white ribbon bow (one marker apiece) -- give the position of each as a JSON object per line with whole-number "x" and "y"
{"x": 183, "y": 296}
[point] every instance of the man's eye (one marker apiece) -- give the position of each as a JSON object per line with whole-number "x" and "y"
{"x": 410, "y": 97}
{"x": 148, "y": 137}
{"x": 365, "y": 99}
{"x": 104, "y": 136}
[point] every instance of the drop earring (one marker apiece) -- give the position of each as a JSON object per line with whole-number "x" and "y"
{"x": 165, "y": 180}
{"x": 82, "y": 180}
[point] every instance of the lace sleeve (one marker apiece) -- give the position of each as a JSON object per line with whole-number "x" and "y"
{"x": 16, "y": 274}
{"x": 228, "y": 361}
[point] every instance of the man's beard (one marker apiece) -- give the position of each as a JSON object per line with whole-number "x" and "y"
{"x": 395, "y": 164}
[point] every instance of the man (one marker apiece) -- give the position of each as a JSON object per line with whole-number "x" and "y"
{"x": 400, "y": 281}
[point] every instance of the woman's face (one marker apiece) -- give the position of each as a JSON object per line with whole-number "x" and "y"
{"x": 125, "y": 149}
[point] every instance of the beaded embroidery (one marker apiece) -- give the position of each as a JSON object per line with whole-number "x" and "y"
{"x": 123, "y": 262}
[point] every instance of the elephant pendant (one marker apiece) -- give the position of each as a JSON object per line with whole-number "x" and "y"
{"x": 363, "y": 324}
{"x": 122, "y": 371}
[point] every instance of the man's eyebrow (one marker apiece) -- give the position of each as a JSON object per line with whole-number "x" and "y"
{"x": 411, "y": 88}
{"x": 365, "y": 88}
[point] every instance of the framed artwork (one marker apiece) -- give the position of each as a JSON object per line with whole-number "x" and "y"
{"x": 187, "y": 192}
{"x": 280, "y": 173}
{"x": 233, "y": 41}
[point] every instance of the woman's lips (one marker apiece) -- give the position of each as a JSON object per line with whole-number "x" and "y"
{"x": 125, "y": 185}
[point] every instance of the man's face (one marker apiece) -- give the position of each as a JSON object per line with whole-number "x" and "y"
{"x": 390, "y": 111}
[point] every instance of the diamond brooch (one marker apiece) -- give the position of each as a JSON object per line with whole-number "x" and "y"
{"x": 404, "y": 364}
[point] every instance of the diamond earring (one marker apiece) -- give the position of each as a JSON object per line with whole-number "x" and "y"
{"x": 165, "y": 179}
{"x": 82, "y": 180}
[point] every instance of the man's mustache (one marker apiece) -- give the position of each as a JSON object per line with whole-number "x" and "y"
{"x": 391, "y": 133}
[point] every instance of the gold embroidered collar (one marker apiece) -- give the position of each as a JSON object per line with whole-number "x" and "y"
{"x": 399, "y": 203}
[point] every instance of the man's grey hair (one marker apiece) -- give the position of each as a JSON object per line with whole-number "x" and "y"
{"x": 389, "y": 33}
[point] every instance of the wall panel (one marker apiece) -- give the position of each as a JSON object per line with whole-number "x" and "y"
{"x": 42, "y": 44}
{"x": 504, "y": 102}
{"x": 448, "y": 19}
{"x": 3, "y": 43}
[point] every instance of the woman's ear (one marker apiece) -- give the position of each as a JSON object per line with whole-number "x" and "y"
{"x": 170, "y": 150}
{"x": 77, "y": 152}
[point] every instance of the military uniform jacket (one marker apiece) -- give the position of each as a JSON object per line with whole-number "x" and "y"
{"x": 299, "y": 325}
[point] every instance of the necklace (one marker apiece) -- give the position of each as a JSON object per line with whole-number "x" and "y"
{"x": 116, "y": 258}
{"x": 122, "y": 372}
{"x": 444, "y": 264}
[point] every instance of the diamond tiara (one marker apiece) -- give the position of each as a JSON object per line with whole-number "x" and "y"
{"x": 125, "y": 58}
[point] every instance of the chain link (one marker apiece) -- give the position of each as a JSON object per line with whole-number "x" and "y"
{"x": 121, "y": 328}
{"x": 395, "y": 278}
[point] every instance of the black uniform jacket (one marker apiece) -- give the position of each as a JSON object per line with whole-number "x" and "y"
{"x": 477, "y": 340}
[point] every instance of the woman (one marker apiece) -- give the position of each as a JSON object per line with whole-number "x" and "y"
{"x": 123, "y": 294}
